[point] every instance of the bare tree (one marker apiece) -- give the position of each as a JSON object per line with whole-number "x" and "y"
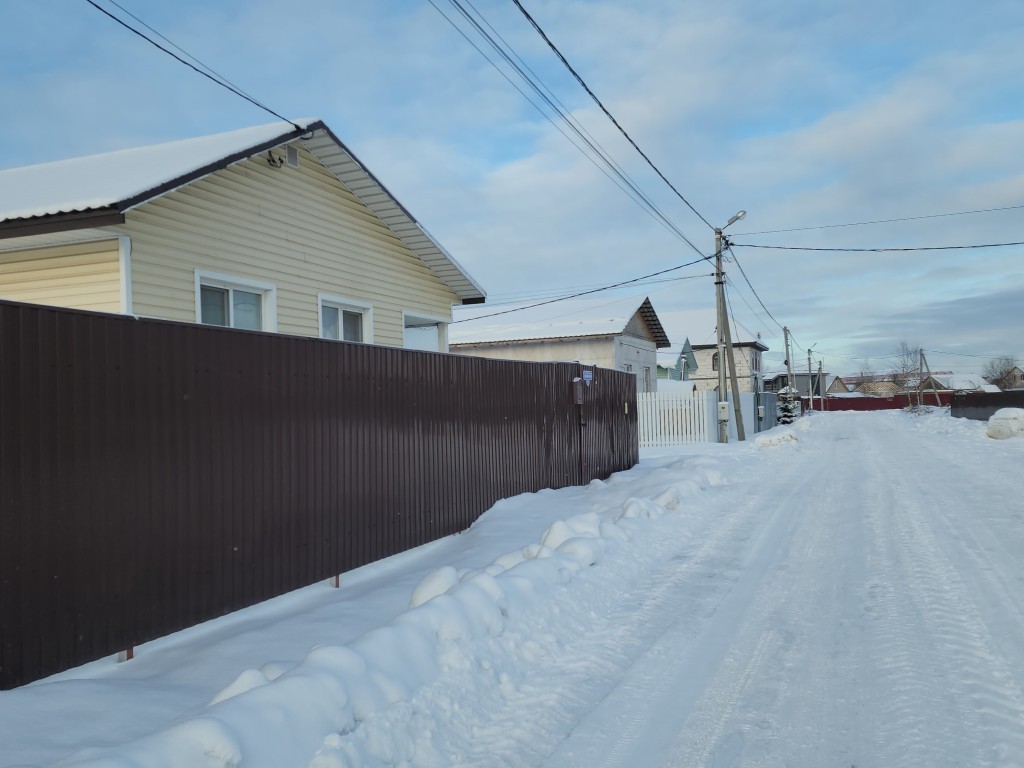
{"x": 908, "y": 363}
{"x": 999, "y": 371}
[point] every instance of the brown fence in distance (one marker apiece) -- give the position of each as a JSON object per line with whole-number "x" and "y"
{"x": 981, "y": 405}
{"x": 154, "y": 475}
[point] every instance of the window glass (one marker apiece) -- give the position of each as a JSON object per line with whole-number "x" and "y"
{"x": 248, "y": 310}
{"x": 213, "y": 306}
{"x": 353, "y": 325}
{"x": 425, "y": 337}
{"x": 329, "y": 322}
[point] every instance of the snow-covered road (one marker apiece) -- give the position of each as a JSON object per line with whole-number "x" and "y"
{"x": 872, "y": 615}
{"x": 848, "y": 593}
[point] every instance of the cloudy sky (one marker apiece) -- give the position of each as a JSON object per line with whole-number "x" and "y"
{"x": 803, "y": 113}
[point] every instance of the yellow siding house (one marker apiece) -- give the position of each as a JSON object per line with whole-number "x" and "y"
{"x": 273, "y": 228}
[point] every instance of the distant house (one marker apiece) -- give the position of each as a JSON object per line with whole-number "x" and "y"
{"x": 837, "y": 386}
{"x": 945, "y": 381}
{"x": 697, "y": 328}
{"x": 1014, "y": 379}
{"x": 678, "y": 366}
{"x": 274, "y": 228}
{"x": 620, "y": 333}
{"x": 776, "y": 382}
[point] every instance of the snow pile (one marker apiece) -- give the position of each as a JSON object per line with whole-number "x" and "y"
{"x": 472, "y": 639}
{"x": 775, "y": 438}
{"x": 1005, "y": 423}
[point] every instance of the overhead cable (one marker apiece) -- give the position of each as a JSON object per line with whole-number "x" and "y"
{"x": 750, "y": 285}
{"x": 498, "y": 300}
{"x": 611, "y": 168}
{"x": 585, "y": 293}
{"x": 880, "y": 221}
{"x": 221, "y": 82}
{"x": 604, "y": 109}
{"x": 878, "y": 250}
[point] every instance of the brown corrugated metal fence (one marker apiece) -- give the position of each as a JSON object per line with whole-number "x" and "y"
{"x": 981, "y": 405}
{"x": 154, "y": 475}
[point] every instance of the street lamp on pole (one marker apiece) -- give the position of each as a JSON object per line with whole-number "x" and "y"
{"x": 722, "y": 323}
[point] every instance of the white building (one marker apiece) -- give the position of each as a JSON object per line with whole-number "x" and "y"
{"x": 620, "y": 333}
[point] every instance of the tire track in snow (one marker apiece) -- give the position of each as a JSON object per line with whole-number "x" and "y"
{"x": 765, "y": 697}
{"x": 954, "y": 697}
{"x": 660, "y": 691}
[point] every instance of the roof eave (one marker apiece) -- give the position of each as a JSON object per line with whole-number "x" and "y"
{"x": 404, "y": 225}
{"x": 654, "y": 323}
{"x": 534, "y": 340}
{"x": 61, "y": 222}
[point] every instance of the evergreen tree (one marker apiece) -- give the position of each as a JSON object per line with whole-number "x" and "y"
{"x": 786, "y": 406}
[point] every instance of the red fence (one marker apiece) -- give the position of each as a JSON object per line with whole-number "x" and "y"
{"x": 154, "y": 475}
{"x": 877, "y": 403}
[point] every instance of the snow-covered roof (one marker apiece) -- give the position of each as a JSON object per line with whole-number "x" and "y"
{"x": 570, "y": 318}
{"x": 966, "y": 382}
{"x": 98, "y": 189}
{"x": 101, "y": 181}
{"x": 699, "y": 326}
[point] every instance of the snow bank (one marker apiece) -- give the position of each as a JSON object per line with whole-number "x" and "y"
{"x": 469, "y": 635}
{"x": 1005, "y": 423}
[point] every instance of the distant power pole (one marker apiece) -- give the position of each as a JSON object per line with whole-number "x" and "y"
{"x": 789, "y": 365}
{"x": 821, "y": 389}
{"x": 810, "y": 387}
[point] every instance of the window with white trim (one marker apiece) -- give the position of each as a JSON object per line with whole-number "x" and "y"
{"x": 344, "y": 319}
{"x": 235, "y": 302}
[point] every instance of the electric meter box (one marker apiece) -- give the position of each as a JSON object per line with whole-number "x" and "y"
{"x": 723, "y": 411}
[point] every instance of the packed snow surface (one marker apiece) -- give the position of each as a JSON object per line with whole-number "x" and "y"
{"x": 846, "y": 591}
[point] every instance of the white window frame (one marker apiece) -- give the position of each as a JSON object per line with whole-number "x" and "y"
{"x": 349, "y": 305}
{"x": 217, "y": 280}
{"x": 441, "y": 322}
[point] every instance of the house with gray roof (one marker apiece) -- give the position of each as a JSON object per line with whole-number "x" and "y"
{"x": 620, "y": 333}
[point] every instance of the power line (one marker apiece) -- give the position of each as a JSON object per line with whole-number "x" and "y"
{"x": 753, "y": 312}
{"x": 585, "y": 293}
{"x": 628, "y": 186}
{"x": 221, "y": 82}
{"x": 604, "y": 109}
{"x": 751, "y": 286}
{"x": 177, "y": 47}
{"x": 880, "y": 221}
{"x": 498, "y": 300}
{"x": 879, "y": 250}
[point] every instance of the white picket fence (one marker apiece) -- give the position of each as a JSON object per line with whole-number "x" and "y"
{"x": 674, "y": 418}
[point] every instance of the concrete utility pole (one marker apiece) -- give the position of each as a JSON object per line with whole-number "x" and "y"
{"x": 737, "y": 405}
{"x": 789, "y": 364}
{"x": 723, "y": 413}
{"x": 723, "y": 339}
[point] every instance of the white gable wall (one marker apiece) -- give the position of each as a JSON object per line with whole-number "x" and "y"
{"x": 615, "y": 352}
{"x": 748, "y": 367}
